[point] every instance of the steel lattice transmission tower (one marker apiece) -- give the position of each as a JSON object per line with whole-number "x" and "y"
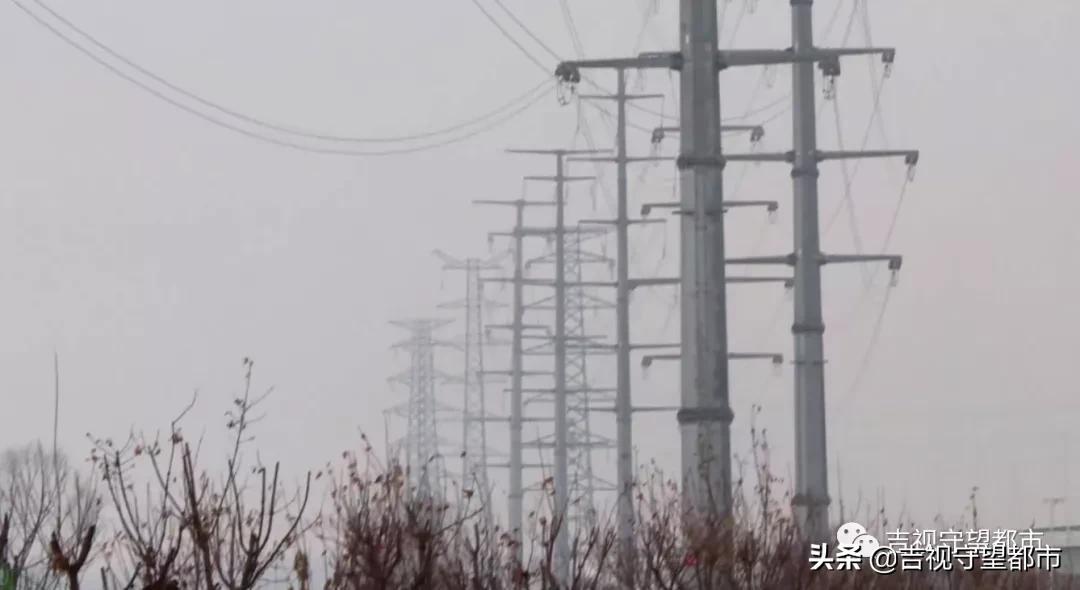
{"x": 581, "y": 395}
{"x": 474, "y": 416}
{"x": 584, "y": 484}
{"x": 423, "y": 458}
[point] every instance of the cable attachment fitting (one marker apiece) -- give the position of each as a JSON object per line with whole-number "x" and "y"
{"x": 887, "y": 58}
{"x": 657, "y": 136}
{"x": 757, "y": 134}
{"x": 751, "y": 6}
{"x": 568, "y": 77}
{"x": 894, "y": 271}
{"x": 911, "y": 160}
{"x": 830, "y": 68}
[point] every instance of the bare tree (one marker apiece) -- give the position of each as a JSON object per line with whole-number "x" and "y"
{"x": 44, "y": 504}
{"x": 193, "y": 530}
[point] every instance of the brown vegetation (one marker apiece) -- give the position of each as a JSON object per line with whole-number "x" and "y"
{"x": 172, "y": 525}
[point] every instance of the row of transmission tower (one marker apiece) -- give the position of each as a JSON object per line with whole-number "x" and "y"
{"x": 550, "y": 346}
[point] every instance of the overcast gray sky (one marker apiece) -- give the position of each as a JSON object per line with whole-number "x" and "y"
{"x": 154, "y": 251}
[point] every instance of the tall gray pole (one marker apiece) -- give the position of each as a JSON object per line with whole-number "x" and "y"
{"x": 562, "y": 474}
{"x": 811, "y": 501}
{"x": 517, "y": 493}
{"x": 623, "y": 404}
{"x": 562, "y": 542}
{"x": 705, "y": 417}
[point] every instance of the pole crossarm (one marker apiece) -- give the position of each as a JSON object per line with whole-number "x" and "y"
{"x": 770, "y": 206}
{"x": 555, "y": 152}
{"x": 512, "y": 372}
{"x": 523, "y": 327}
{"x": 570, "y": 71}
{"x": 757, "y": 132}
{"x": 617, "y": 222}
{"x": 514, "y": 203}
{"x": 539, "y": 178}
{"x": 551, "y": 283}
{"x": 829, "y": 56}
{"x": 894, "y": 261}
{"x": 578, "y": 445}
{"x": 619, "y": 97}
{"x": 655, "y": 345}
{"x": 628, "y": 159}
{"x": 911, "y": 157}
{"x": 551, "y": 390}
{"x": 775, "y": 357}
{"x": 661, "y": 281}
{"x": 638, "y": 409}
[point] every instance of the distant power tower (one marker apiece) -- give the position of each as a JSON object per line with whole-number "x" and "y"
{"x": 474, "y": 416}
{"x": 517, "y": 372}
{"x": 423, "y": 458}
{"x": 559, "y": 340}
{"x": 581, "y": 395}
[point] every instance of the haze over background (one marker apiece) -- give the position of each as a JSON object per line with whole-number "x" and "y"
{"x": 154, "y": 251}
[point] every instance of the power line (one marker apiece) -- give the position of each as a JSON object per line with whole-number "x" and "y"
{"x": 250, "y": 119}
{"x": 509, "y": 37}
{"x": 575, "y": 39}
{"x": 255, "y": 135}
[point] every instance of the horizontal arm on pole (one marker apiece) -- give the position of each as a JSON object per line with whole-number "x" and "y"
{"x": 894, "y": 261}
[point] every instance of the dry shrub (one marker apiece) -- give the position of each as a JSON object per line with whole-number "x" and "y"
{"x": 178, "y": 528}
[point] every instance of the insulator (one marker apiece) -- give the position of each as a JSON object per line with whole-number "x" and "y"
{"x": 777, "y": 368}
{"x": 894, "y": 278}
{"x": 751, "y": 6}
{"x": 887, "y": 72}
{"x": 789, "y": 291}
{"x": 772, "y": 215}
{"x": 769, "y": 75}
{"x": 911, "y": 172}
{"x": 830, "y": 87}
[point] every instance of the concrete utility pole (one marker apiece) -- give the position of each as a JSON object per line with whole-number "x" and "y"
{"x": 516, "y": 494}
{"x": 623, "y": 399}
{"x": 706, "y": 415}
{"x": 562, "y": 544}
{"x": 624, "y": 408}
{"x": 474, "y": 408}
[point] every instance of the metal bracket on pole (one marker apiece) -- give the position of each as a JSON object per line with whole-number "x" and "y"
{"x": 775, "y": 357}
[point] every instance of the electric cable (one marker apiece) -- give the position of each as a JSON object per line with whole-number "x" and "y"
{"x": 253, "y": 134}
{"x": 248, "y": 118}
